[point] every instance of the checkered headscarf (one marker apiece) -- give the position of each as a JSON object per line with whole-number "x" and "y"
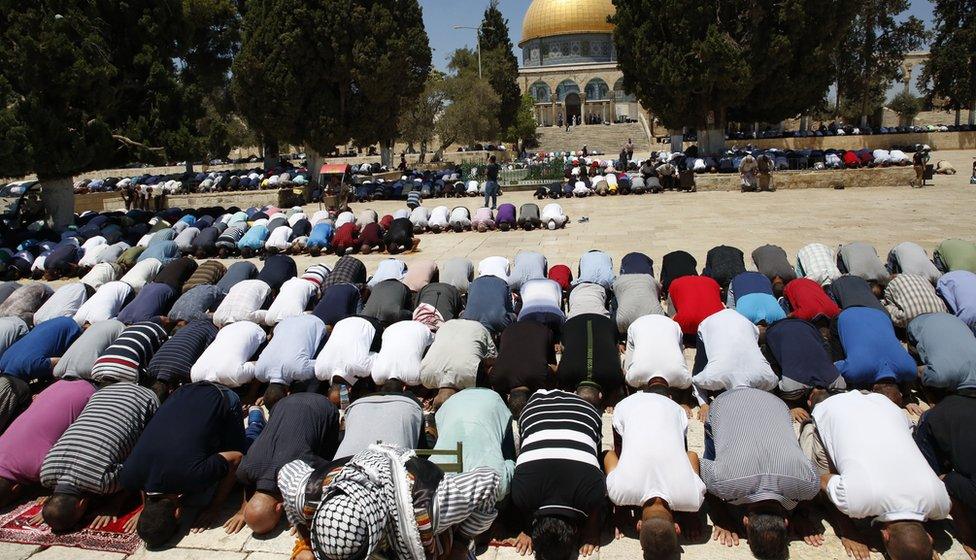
{"x": 429, "y": 316}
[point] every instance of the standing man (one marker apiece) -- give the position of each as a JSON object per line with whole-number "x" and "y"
{"x": 491, "y": 184}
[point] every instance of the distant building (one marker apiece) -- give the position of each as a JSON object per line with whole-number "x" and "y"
{"x": 569, "y": 63}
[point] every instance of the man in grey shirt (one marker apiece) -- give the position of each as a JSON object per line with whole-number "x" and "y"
{"x": 198, "y": 303}
{"x": 588, "y": 298}
{"x": 637, "y": 295}
{"x": 772, "y": 261}
{"x": 753, "y": 460}
{"x": 861, "y": 259}
{"x": 81, "y": 355}
{"x": 457, "y": 272}
{"x": 910, "y": 258}
{"x": 7, "y": 288}
{"x": 529, "y": 265}
{"x": 946, "y": 348}
{"x": 382, "y": 417}
{"x": 11, "y": 328}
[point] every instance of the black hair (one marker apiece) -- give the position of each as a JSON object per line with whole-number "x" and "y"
{"x": 61, "y": 512}
{"x": 658, "y": 389}
{"x": 907, "y": 540}
{"x": 768, "y": 537}
{"x": 659, "y": 540}
{"x": 393, "y": 386}
{"x": 554, "y": 538}
{"x": 158, "y": 522}
{"x": 517, "y": 399}
{"x": 274, "y": 393}
{"x": 162, "y": 389}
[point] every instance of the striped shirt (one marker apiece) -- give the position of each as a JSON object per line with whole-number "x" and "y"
{"x": 757, "y": 456}
{"x": 173, "y": 360}
{"x": 88, "y": 457}
{"x": 908, "y": 295}
{"x": 231, "y": 236}
{"x": 557, "y": 471}
{"x": 127, "y": 357}
{"x": 207, "y": 273}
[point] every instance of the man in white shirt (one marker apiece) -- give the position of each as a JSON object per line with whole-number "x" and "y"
{"x": 104, "y": 304}
{"x": 494, "y": 266}
{"x": 817, "y": 262}
{"x": 92, "y": 248}
{"x": 650, "y": 468}
{"x": 101, "y": 274}
{"x": 439, "y": 219}
{"x": 580, "y": 190}
{"x": 388, "y": 269}
{"x": 655, "y": 351}
{"x": 460, "y": 219}
{"x": 344, "y": 218}
{"x": 419, "y": 217}
{"x": 403, "y": 348}
{"x": 278, "y": 240}
{"x": 292, "y": 300}
{"x": 728, "y": 355}
{"x": 871, "y": 468}
{"x": 348, "y": 353}
{"x": 553, "y": 216}
{"x": 142, "y": 273}
{"x": 64, "y": 302}
{"x": 243, "y": 299}
{"x": 228, "y": 358}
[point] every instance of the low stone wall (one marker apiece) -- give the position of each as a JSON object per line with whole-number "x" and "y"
{"x": 936, "y": 140}
{"x": 242, "y": 199}
{"x": 824, "y": 179}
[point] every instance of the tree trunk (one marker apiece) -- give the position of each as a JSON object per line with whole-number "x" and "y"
{"x": 315, "y": 161}
{"x": 711, "y": 140}
{"x": 58, "y": 198}
{"x": 270, "y": 149}
{"x": 677, "y": 140}
{"x": 386, "y": 153}
{"x": 972, "y": 112}
{"x": 958, "y": 115}
{"x": 423, "y": 152}
{"x": 189, "y": 166}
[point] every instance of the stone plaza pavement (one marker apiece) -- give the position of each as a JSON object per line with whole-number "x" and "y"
{"x": 655, "y": 225}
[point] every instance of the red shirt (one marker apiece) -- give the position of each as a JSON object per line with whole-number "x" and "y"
{"x": 346, "y": 236}
{"x": 562, "y": 275}
{"x": 385, "y": 221}
{"x": 694, "y": 298}
{"x": 850, "y": 159}
{"x": 809, "y": 300}
{"x": 371, "y": 235}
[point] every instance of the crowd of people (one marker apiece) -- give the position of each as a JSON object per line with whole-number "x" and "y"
{"x": 151, "y": 384}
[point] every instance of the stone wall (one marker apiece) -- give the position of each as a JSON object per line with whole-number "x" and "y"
{"x": 937, "y": 141}
{"x": 846, "y": 178}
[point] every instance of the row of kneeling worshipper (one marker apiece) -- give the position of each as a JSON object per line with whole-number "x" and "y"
{"x": 112, "y": 244}
{"x": 174, "y": 385}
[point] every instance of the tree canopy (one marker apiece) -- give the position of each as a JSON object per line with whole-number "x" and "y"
{"x": 323, "y": 74}
{"x": 699, "y": 64}
{"x": 498, "y": 63}
{"x": 417, "y": 122}
{"x": 950, "y": 72}
{"x": 471, "y": 115}
{"x": 872, "y": 52}
{"x": 522, "y": 131}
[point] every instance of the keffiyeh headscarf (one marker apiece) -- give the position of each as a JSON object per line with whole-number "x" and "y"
{"x": 429, "y": 316}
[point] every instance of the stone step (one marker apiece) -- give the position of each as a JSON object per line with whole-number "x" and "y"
{"x": 603, "y": 138}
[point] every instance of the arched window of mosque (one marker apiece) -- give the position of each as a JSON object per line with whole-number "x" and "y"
{"x": 565, "y": 88}
{"x": 597, "y": 90}
{"x": 540, "y": 92}
{"x": 621, "y": 94}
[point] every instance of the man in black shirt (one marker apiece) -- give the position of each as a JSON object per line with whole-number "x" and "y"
{"x": 590, "y": 363}
{"x": 674, "y": 265}
{"x": 399, "y": 238}
{"x": 526, "y": 362}
{"x": 302, "y": 425}
{"x": 945, "y": 436}
{"x": 491, "y": 185}
{"x": 189, "y": 452}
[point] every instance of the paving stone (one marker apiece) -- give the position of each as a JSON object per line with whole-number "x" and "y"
{"x": 64, "y": 553}
{"x": 187, "y": 554}
{"x": 268, "y": 556}
{"x": 15, "y": 551}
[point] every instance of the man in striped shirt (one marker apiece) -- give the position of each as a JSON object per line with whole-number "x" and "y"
{"x": 126, "y": 359}
{"x": 558, "y": 482}
{"x": 752, "y": 460}
{"x": 87, "y": 459}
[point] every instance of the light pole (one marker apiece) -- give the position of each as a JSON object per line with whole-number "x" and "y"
{"x": 478, "y": 29}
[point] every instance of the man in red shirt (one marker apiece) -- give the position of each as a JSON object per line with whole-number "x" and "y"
{"x": 691, "y": 299}
{"x": 809, "y": 301}
{"x": 346, "y": 239}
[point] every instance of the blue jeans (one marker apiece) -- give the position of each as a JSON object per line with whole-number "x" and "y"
{"x": 491, "y": 191}
{"x": 709, "y": 452}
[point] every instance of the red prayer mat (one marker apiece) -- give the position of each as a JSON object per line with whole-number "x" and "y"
{"x": 14, "y": 527}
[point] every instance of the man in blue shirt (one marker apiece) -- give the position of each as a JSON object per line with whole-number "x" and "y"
{"x": 35, "y": 355}
{"x": 870, "y": 355}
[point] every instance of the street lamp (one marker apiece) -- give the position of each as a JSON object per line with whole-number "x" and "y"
{"x": 478, "y": 29}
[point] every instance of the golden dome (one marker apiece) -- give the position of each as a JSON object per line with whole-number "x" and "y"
{"x": 548, "y": 18}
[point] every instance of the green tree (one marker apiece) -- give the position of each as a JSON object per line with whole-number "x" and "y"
{"x": 417, "y": 122}
{"x": 522, "y": 131}
{"x": 499, "y": 65}
{"x": 85, "y": 85}
{"x": 907, "y": 106}
{"x": 871, "y": 54}
{"x": 471, "y": 115}
{"x": 700, "y": 64}
{"x": 323, "y": 74}
{"x": 950, "y": 72}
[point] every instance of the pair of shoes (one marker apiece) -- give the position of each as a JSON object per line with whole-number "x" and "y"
{"x": 583, "y": 220}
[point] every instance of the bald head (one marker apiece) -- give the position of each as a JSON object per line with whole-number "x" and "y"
{"x": 590, "y": 394}
{"x": 262, "y": 512}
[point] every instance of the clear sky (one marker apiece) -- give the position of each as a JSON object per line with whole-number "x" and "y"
{"x": 441, "y": 15}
